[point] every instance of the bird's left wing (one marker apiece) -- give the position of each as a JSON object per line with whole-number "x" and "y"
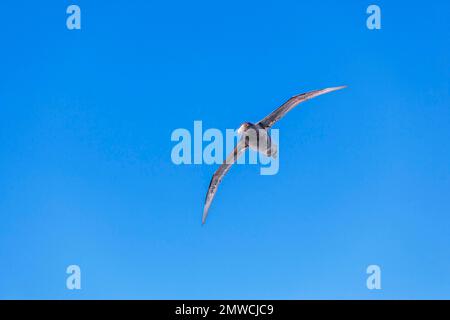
{"x": 220, "y": 173}
{"x": 279, "y": 113}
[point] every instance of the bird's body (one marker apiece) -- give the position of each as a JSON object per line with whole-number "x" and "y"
{"x": 256, "y": 136}
{"x": 258, "y": 139}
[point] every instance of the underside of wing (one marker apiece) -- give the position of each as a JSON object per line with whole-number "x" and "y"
{"x": 220, "y": 173}
{"x": 279, "y": 113}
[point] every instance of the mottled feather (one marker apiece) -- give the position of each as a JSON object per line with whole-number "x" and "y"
{"x": 279, "y": 113}
{"x": 265, "y": 123}
{"x": 220, "y": 173}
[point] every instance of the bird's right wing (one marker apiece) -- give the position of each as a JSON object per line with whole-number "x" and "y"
{"x": 279, "y": 113}
{"x": 220, "y": 173}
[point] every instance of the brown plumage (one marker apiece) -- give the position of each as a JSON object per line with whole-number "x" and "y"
{"x": 264, "y": 124}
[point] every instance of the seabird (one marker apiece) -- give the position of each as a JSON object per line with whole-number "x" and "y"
{"x": 256, "y": 136}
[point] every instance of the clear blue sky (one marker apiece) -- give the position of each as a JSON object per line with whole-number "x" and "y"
{"x": 86, "y": 176}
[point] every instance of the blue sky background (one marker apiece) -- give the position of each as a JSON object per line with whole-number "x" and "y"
{"x": 86, "y": 176}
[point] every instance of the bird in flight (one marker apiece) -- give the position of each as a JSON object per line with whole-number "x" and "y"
{"x": 256, "y": 136}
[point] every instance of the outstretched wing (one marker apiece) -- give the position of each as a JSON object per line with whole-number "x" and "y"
{"x": 279, "y": 113}
{"x": 220, "y": 173}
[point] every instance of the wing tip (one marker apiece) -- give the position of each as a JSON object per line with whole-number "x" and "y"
{"x": 338, "y": 88}
{"x": 205, "y": 214}
{"x": 331, "y": 89}
{"x": 320, "y": 91}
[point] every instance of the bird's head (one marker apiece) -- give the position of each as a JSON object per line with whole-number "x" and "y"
{"x": 244, "y": 127}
